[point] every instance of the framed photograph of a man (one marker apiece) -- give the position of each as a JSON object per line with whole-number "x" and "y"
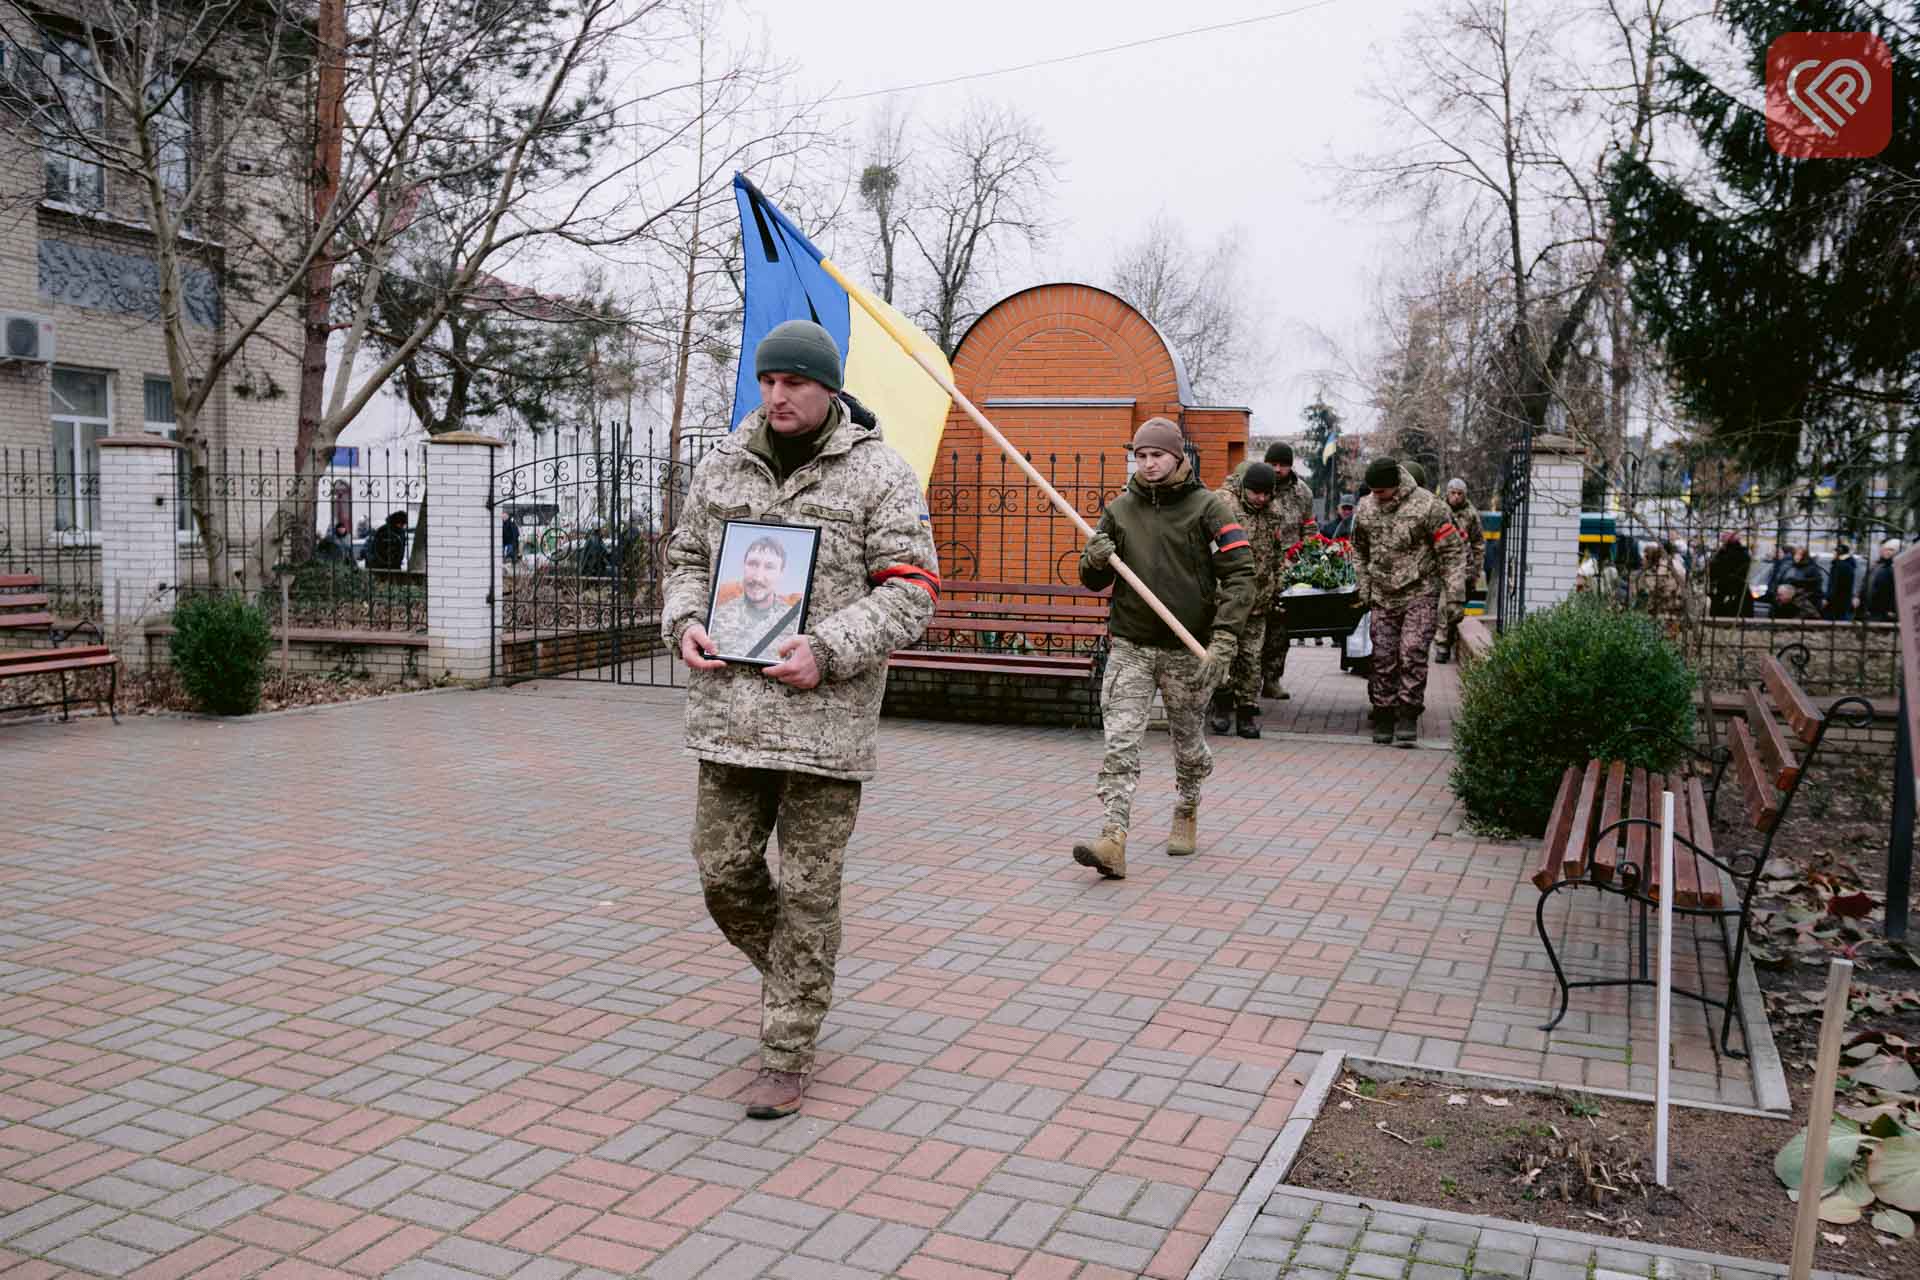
{"x": 761, "y": 589}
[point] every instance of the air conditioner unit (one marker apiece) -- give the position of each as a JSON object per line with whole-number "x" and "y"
{"x": 26, "y": 337}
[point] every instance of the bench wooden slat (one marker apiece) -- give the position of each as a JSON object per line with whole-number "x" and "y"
{"x": 1775, "y": 754}
{"x": 1686, "y": 867}
{"x": 1792, "y": 700}
{"x": 963, "y": 657}
{"x": 52, "y": 661}
{"x": 20, "y": 581}
{"x": 1586, "y": 808}
{"x": 933, "y": 662}
{"x": 23, "y": 621}
{"x": 1638, "y": 839}
{"x": 976, "y": 587}
{"x": 989, "y": 625}
{"x": 1696, "y": 797}
{"x": 975, "y": 608}
{"x": 24, "y": 600}
{"x": 1612, "y": 800}
{"x": 1559, "y": 824}
{"x": 1763, "y": 802}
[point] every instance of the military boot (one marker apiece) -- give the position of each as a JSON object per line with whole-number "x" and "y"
{"x": 1383, "y": 726}
{"x": 1107, "y": 855}
{"x": 1246, "y": 721}
{"x": 1220, "y": 711}
{"x": 1180, "y": 840}
{"x": 1443, "y": 653}
{"x": 1273, "y": 689}
{"x": 1406, "y": 729}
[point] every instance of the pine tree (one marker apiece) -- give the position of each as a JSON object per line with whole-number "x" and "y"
{"x": 1786, "y": 293}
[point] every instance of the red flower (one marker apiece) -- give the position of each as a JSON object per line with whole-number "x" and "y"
{"x": 1294, "y": 550}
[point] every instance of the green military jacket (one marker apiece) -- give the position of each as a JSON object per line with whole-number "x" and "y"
{"x": 1189, "y": 549}
{"x": 875, "y": 582}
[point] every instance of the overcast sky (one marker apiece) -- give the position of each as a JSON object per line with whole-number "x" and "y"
{"x": 1221, "y": 129}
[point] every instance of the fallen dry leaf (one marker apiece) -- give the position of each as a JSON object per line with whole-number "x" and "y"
{"x": 1456, "y": 1099}
{"x": 1496, "y": 1102}
{"x": 1833, "y": 1238}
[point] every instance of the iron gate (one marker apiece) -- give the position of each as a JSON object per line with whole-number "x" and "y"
{"x": 583, "y": 544}
{"x": 1511, "y": 590}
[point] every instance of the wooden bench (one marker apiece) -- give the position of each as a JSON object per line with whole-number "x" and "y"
{"x": 25, "y": 606}
{"x": 1025, "y": 630}
{"x": 1604, "y": 832}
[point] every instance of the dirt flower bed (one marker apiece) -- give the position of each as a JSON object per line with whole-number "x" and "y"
{"x": 157, "y": 692}
{"x": 1582, "y": 1164}
{"x": 1576, "y": 1163}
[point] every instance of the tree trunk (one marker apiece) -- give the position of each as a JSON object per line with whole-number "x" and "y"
{"x": 329, "y": 111}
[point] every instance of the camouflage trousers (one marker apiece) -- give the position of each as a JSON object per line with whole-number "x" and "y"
{"x": 790, "y": 930}
{"x": 1273, "y": 650}
{"x": 1250, "y": 660}
{"x": 1134, "y": 671}
{"x": 1401, "y": 638}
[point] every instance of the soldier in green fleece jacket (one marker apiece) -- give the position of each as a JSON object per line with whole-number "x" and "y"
{"x": 1192, "y": 553}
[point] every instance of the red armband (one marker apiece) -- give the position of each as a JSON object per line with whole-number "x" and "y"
{"x": 925, "y": 579}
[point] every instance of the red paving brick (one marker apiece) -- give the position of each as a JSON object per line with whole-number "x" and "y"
{"x": 457, "y": 997}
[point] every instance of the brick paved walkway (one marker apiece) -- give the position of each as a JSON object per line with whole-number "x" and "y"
{"x": 1327, "y": 700}
{"x": 424, "y": 987}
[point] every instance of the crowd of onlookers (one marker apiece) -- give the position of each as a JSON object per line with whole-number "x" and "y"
{"x": 1789, "y": 583}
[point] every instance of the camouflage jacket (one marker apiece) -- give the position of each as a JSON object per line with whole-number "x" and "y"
{"x": 1409, "y": 549}
{"x": 874, "y": 586}
{"x": 1291, "y": 508}
{"x": 1264, "y": 533}
{"x": 1467, "y": 519}
{"x": 1663, "y": 592}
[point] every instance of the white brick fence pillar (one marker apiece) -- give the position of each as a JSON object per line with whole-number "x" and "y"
{"x": 1553, "y": 520}
{"x": 139, "y": 512}
{"x": 463, "y": 555}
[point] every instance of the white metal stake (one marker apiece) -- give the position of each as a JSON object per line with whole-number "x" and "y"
{"x": 1663, "y": 1015}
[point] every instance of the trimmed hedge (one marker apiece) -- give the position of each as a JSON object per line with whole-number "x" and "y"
{"x": 220, "y": 645}
{"x": 1565, "y": 686}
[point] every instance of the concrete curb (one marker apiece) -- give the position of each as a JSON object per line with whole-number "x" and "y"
{"x": 1396, "y": 1069}
{"x": 1232, "y": 1231}
{"x": 1484, "y": 1223}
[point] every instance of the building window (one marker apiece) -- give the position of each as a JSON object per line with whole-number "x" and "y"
{"x": 160, "y": 420}
{"x": 81, "y": 414}
{"x": 173, "y": 132}
{"x": 71, "y": 114}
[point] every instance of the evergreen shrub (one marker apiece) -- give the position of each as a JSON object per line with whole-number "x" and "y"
{"x": 1569, "y": 684}
{"x": 219, "y": 647}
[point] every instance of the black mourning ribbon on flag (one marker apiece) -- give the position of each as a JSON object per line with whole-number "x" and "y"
{"x": 792, "y": 612}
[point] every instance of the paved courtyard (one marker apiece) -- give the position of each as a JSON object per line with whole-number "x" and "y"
{"x": 424, "y": 987}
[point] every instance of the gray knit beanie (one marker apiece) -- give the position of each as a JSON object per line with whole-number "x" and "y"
{"x": 802, "y": 347}
{"x": 1259, "y": 478}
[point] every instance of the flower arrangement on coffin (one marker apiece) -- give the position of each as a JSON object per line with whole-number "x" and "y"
{"x": 1318, "y": 563}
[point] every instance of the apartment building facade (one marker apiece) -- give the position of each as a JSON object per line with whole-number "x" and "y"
{"x": 82, "y": 346}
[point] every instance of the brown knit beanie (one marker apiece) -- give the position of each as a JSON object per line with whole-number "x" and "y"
{"x": 1162, "y": 434}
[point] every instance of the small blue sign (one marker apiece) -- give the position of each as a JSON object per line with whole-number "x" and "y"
{"x": 346, "y": 456}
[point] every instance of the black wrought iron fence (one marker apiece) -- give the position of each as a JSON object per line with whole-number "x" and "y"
{"x": 346, "y": 533}
{"x": 50, "y": 527}
{"x": 583, "y": 539}
{"x": 1768, "y": 562}
{"x": 991, "y": 524}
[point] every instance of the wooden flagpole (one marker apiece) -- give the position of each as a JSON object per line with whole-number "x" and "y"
{"x": 992, "y": 433}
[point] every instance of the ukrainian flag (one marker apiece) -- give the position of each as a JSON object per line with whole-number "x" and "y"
{"x": 788, "y": 279}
